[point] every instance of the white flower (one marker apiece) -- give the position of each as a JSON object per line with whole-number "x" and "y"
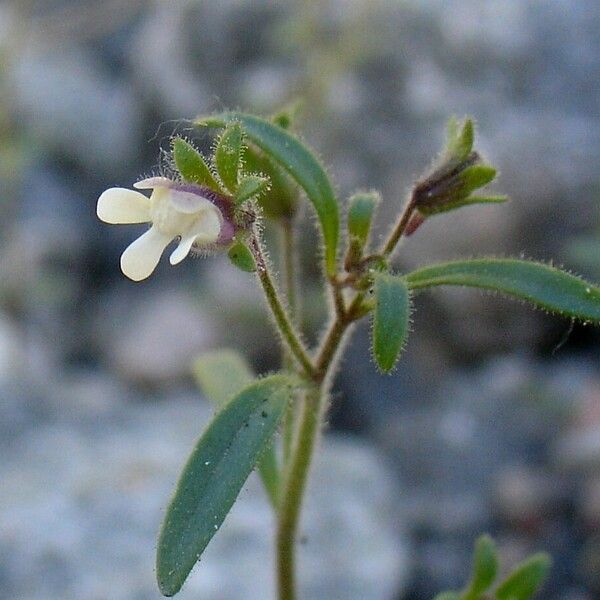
{"x": 186, "y": 212}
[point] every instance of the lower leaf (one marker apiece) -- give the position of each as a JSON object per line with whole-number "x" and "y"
{"x": 211, "y": 480}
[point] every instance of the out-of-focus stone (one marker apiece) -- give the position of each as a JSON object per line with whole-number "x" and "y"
{"x": 155, "y": 341}
{"x": 80, "y": 507}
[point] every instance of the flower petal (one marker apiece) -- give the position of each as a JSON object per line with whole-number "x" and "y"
{"x": 141, "y": 257}
{"x": 207, "y": 226}
{"x": 189, "y": 202}
{"x": 205, "y": 231}
{"x": 182, "y": 250}
{"x": 122, "y": 206}
{"x": 152, "y": 182}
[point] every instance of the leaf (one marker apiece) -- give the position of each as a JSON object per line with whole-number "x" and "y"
{"x": 211, "y": 480}
{"x": 239, "y": 254}
{"x": 360, "y": 215}
{"x": 447, "y": 596}
{"x": 297, "y": 160}
{"x": 191, "y": 164}
{"x": 221, "y": 374}
{"x": 249, "y": 186}
{"x": 546, "y": 287}
{"x": 526, "y": 579}
{"x": 485, "y": 568}
{"x": 280, "y": 200}
{"x": 391, "y": 319}
{"x": 228, "y": 156}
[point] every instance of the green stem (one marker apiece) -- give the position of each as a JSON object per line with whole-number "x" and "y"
{"x": 293, "y": 493}
{"x": 289, "y": 269}
{"x": 400, "y": 227}
{"x": 284, "y": 323}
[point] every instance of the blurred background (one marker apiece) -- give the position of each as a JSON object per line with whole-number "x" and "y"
{"x": 490, "y": 423}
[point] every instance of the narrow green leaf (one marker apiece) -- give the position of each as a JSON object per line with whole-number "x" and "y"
{"x": 211, "y": 480}
{"x": 228, "y": 155}
{"x": 360, "y": 215}
{"x": 546, "y": 287}
{"x": 526, "y": 579}
{"x": 295, "y": 158}
{"x": 249, "y": 186}
{"x": 191, "y": 164}
{"x": 485, "y": 568}
{"x": 391, "y": 319}
{"x": 239, "y": 254}
{"x": 221, "y": 374}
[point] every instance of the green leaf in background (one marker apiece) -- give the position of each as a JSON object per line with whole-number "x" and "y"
{"x": 228, "y": 155}
{"x": 485, "y": 568}
{"x": 281, "y": 199}
{"x": 545, "y": 287}
{"x": 250, "y": 186}
{"x": 391, "y": 319}
{"x": 214, "y": 474}
{"x": 191, "y": 164}
{"x": 221, "y": 374}
{"x": 360, "y": 215}
{"x": 239, "y": 254}
{"x": 526, "y": 579}
{"x": 297, "y": 160}
{"x": 448, "y": 596}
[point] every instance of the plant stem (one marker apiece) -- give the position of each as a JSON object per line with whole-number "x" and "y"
{"x": 288, "y": 248}
{"x": 400, "y": 227}
{"x": 289, "y": 264}
{"x": 284, "y": 323}
{"x": 293, "y": 493}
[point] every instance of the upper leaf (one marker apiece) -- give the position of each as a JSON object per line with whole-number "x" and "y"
{"x": 526, "y": 579}
{"x": 295, "y": 158}
{"x": 210, "y": 482}
{"x": 191, "y": 164}
{"x": 546, "y": 287}
{"x": 391, "y": 319}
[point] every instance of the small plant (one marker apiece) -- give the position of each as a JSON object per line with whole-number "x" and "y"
{"x": 259, "y": 172}
{"x": 521, "y": 584}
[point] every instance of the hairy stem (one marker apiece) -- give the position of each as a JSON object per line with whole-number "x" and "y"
{"x": 293, "y": 493}
{"x": 288, "y": 251}
{"x": 282, "y": 319}
{"x": 400, "y": 227}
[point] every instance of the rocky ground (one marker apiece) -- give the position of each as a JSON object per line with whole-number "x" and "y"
{"x": 483, "y": 427}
